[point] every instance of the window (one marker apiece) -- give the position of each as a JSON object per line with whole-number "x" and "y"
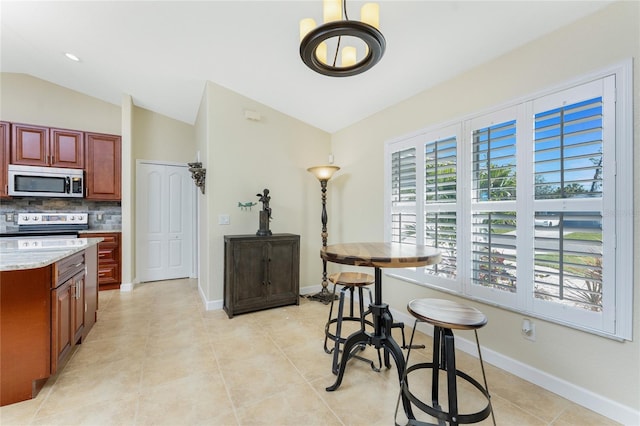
{"x": 527, "y": 204}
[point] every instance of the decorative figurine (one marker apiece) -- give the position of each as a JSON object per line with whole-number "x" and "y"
{"x": 265, "y": 214}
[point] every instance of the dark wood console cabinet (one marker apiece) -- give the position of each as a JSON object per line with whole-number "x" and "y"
{"x": 260, "y": 272}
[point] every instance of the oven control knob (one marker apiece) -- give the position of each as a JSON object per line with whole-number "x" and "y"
{"x": 35, "y": 218}
{"x": 25, "y": 218}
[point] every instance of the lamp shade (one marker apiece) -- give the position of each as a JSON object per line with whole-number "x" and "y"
{"x": 323, "y": 172}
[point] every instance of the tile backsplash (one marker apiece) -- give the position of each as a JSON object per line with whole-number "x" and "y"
{"x": 110, "y": 211}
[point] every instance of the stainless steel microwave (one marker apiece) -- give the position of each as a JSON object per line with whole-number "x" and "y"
{"x": 34, "y": 181}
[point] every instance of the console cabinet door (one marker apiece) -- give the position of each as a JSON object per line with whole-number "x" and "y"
{"x": 283, "y": 270}
{"x": 250, "y": 279}
{"x": 104, "y": 156}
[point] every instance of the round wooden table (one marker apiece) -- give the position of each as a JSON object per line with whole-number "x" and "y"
{"x": 378, "y": 255}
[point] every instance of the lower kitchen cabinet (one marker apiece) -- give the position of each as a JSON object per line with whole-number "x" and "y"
{"x": 44, "y": 313}
{"x": 260, "y": 272}
{"x": 67, "y": 308}
{"x": 109, "y": 260}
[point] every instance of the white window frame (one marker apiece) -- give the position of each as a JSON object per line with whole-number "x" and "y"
{"x": 616, "y": 318}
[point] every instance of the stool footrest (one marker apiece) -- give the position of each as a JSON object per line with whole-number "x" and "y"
{"x": 438, "y": 413}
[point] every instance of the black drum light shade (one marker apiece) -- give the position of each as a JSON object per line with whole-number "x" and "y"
{"x": 313, "y": 49}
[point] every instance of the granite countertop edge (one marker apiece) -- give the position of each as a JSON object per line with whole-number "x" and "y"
{"x": 98, "y": 231}
{"x": 38, "y": 258}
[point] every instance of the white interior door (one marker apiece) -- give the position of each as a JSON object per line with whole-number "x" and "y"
{"x": 165, "y": 225}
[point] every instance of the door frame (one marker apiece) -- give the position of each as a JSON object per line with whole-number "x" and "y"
{"x": 194, "y": 218}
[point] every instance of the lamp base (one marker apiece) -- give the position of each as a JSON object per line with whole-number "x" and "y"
{"x": 324, "y": 296}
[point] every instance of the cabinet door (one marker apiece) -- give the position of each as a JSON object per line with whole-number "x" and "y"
{"x": 29, "y": 145}
{"x": 283, "y": 270}
{"x": 4, "y": 158}
{"x": 103, "y": 163}
{"x": 249, "y": 268}
{"x": 61, "y": 324}
{"x": 67, "y": 148}
{"x": 77, "y": 314}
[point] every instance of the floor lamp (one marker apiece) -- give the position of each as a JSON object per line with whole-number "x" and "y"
{"x": 323, "y": 173}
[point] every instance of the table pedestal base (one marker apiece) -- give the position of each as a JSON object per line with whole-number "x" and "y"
{"x": 380, "y": 339}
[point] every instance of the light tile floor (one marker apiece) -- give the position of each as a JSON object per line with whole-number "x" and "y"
{"x": 156, "y": 357}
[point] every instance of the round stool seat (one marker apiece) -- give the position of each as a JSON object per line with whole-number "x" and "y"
{"x": 351, "y": 279}
{"x": 447, "y": 314}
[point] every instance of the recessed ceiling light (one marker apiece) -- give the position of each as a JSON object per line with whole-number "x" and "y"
{"x": 72, "y": 57}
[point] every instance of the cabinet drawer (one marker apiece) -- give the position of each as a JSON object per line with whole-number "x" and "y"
{"x": 107, "y": 253}
{"x": 109, "y": 274}
{"x": 108, "y": 239}
{"x": 68, "y": 267}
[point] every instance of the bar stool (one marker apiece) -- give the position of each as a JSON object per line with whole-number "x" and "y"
{"x": 445, "y": 316}
{"x": 350, "y": 281}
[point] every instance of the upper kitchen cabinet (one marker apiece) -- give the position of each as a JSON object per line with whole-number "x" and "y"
{"x": 43, "y": 146}
{"x": 29, "y": 145}
{"x": 103, "y": 166}
{"x": 4, "y": 161}
{"x": 67, "y": 148}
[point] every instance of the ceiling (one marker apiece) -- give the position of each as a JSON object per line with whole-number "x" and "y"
{"x": 162, "y": 52}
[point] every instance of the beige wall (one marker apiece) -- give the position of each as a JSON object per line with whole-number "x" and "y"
{"x": 26, "y": 99}
{"x": 242, "y": 158}
{"x": 606, "y": 367}
{"x": 160, "y": 138}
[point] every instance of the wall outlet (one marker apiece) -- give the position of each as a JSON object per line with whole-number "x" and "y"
{"x": 99, "y": 217}
{"x": 528, "y": 329}
{"x": 9, "y": 217}
{"x": 224, "y": 219}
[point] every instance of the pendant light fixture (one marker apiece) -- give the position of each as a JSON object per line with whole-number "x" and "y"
{"x": 313, "y": 40}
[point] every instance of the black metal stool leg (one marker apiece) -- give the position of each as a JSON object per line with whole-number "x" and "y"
{"x": 452, "y": 389}
{"x": 326, "y": 327}
{"x": 484, "y": 377}
{"x": 336, "y": 350}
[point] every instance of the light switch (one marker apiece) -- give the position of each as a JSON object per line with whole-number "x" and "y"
{"x": 223, "y": 219}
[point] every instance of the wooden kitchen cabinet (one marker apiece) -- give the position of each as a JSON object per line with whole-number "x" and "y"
{"x": 29, "y": 145}
{"x": 25, "y": 333}
{"x": 46, "y": 147}
{"x": 260, "y": 272}
{"x": 67, "y": 148}
{"x": 109, "y": 260}
{"x": 67, "y": 308}
{"x": 5, "y": 152}
{"x": 103, "y": 166}
{"x": 44, "y": 312}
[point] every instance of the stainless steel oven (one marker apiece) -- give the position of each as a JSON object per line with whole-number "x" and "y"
{"x": 49, "y": 225}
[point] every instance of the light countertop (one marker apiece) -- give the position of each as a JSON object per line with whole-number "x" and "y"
{"x": 16, "y": 254}
{"x": 98, "y": 231}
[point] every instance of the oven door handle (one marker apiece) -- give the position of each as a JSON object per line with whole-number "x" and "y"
{"x": 67, "y": 188}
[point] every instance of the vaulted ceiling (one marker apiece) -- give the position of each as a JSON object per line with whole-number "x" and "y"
{"x": 162, "y": 52}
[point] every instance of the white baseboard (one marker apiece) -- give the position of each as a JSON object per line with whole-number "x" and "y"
{"x": 584, "y": 397}
{"x": 126, "y": 286}
{"x": 210, "y": 305}
{"x": 313, "y": 289}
